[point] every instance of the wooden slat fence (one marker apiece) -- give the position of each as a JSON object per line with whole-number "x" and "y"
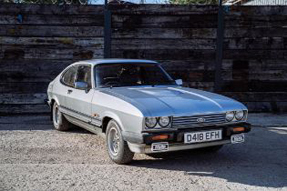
{"x": 182, "y": 38}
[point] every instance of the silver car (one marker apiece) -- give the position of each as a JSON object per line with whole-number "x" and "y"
{"x": 139, "y": 108}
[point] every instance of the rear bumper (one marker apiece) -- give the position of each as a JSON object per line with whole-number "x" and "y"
{"x": 141, "y": 143}
{"x": 47, "y": 102}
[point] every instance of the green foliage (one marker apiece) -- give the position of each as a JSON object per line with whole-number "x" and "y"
{"x": 200, "y": 2}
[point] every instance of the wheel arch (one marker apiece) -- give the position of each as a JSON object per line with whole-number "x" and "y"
{"x": 111, "y": 116}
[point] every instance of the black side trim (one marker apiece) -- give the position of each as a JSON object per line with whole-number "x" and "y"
{"x": 82, "y": 121}
{"x": 80, "y": 113}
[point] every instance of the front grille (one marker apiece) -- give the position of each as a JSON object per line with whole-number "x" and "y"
{"x": 194, "y": 121}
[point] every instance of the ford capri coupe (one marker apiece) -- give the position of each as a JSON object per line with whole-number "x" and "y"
{"x": 138, "y": 108}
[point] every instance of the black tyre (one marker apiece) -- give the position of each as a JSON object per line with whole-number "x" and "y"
{"x": 118, "y": 149}
{"x": 59, "y": 121}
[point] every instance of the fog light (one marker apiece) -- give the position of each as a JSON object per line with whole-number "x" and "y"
{"x": 238, "y": 129}
{"x": 159, "y": 137}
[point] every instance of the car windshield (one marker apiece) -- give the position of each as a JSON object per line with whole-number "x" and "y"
{"x": 107, "y": 75}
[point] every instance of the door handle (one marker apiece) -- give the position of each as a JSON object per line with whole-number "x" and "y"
{"x": 70, "y": 91}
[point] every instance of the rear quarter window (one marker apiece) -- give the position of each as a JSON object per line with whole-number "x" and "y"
{"x": 68, "y": 78}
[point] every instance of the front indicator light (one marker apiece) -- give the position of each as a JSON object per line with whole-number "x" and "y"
{"x": 159, "y": 137}
{"x": 238, "y": 129}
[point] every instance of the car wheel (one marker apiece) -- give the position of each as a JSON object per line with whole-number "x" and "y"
{"x": 59, "y": 121}
{"x": 118, "y": 149}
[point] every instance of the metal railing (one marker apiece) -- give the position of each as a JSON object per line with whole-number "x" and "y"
{"x": 255, "y": 2}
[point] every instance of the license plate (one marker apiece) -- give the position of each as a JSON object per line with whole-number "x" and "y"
{"x": 238, "y": 138}
{"x": 203, "y": 136}
{"x": 162, "y": 146}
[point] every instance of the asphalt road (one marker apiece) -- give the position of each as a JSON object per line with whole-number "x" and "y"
{"x": 34, "y": 156}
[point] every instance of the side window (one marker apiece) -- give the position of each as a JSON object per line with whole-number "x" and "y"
{"x": 68, "y": 77}
{"x": 84, "y": 74}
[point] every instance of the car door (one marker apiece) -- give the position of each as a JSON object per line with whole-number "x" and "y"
{"x": 79, "y": 100}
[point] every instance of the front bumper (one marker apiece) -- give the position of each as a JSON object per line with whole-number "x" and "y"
{"x": 146, "y": 149}
{"x": 176, "y": 141}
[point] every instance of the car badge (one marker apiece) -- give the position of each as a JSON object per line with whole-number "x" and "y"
{"x": 200, "y": 120}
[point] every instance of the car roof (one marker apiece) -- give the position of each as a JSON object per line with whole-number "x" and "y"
{"x": 114, "y": 61}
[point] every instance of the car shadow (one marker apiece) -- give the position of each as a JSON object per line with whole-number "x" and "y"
{"x": 261, "y": 161}
{"x": 32, "y": 122}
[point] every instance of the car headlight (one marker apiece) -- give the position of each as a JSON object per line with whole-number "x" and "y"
{"x": 239, "y": 115}
{"x": 229, "y": 115}
{"x": 164, "y": 121}
{"x": 150, "y": 122}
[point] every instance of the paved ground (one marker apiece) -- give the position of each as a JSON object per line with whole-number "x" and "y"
{"x": 33, "y": 156}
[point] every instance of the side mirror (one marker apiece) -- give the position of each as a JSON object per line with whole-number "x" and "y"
{"x": 178, "y": 82}
{"x": 81, "y": 85}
